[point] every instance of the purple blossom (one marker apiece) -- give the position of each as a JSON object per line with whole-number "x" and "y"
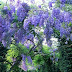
{"x": 32, "y": 1}
{"x": 23, "y": 39}
{"x": 50, "y": 30}
{"x": 25, "y": 6}
{"x": 47, "y": 34}
{"x": 40, "y": 13}
{"x": 12, "y": 0}
{"x": 14, "y": 25}
{"x": 51, "y": 21}
{"x": 67, "y": 17}
{"x": 18, "y": 2}
{"x": 71, "y": 36}
{"x": 19, "y": 35}
{"x": 57, "y": 24}
{"x": 27, "y": 45}
{"x": 8, "y": 25}
{"x": 29, "y": 59}
{"x": 23, "y": 57}
{"x": 61, "y": 18}
{"x": 62, "y": 31}
{"x": 5, "y": 8}
{"x": 62, "y": 5}
{"x": 43, "y": 1}
{"x": 0, "y": 36}
{"x": 56, "y": 59}
{"x": 1, "y": 28}
{"x": 4, "y": 43}
{"x": 12, "y": 8}
{"x": 39, "y": 6}
{"x": 35, "y": 20}
{"x": 54, "y": 50}
{"x": 55, "y": 13}
{"x": 62, "y": 1}
{"x": 45, "y": 31}
{"x": 50, "y": 4}
{"x": 23, "y": 66}
{"x": 22, "y": 11}
{"x": 52, "y": 58}
{"x": 4, "y": 35}
{"x": 21, "y": 14}
{"x": 49, "y": 43}
{"x": 67, "y": 38}
{"x": 26, "y": 23}
{"x": 66, "y": 42}
{"x": 30, "y": 36}
{"x": 45, "y": 15}
{"x": 65, "y": 32}
{"x": 41, "y": 23}
{"x": 9, "y": 16}
{"x": 13, "y": 59}
{"x": 9, "y": 12}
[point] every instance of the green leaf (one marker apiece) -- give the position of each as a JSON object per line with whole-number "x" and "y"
{"x": 70, "y": 24}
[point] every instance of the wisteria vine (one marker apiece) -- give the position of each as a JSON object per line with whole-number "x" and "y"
{"x": 19, "y": 26}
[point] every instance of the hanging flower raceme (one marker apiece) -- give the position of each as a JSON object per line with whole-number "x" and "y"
{"x": 57, "y": 24}
{"x": 67, "y": 17}
{"x": 50, "y": 4}
{"x": 23, "y": 63}
{"x": 36, "y": 20}
{"x": 58, "y": 21}
{"x": 22, "y": 11}
{"x": 1, "y": 28}
{"x": 12, "y": 8}
{"x": 55, "y": 13}
{"x": 71, "y": 36}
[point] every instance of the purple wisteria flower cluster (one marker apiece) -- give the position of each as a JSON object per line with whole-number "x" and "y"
{"x": 19, "y": 26}
{"x": 22, "y": 11}
{"x": 59, "y": 21}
